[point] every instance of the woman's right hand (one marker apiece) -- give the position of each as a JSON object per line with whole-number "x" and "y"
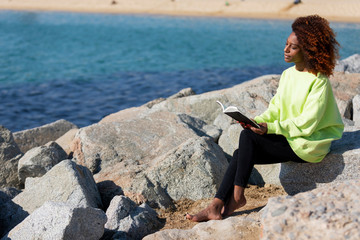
{"x": 262, "y": 130}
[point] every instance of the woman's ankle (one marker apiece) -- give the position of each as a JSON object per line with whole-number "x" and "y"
{"x": 239, "y": 194}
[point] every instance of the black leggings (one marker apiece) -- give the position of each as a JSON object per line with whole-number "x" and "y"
{"x": 254, "y": 149}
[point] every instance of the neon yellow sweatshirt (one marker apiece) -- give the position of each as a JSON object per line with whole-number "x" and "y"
{"x": 304, "y": 110}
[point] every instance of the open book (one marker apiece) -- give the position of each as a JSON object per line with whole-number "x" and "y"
{"x": 237, "y": 115}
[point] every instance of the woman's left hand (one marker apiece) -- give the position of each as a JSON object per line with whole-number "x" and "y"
{"x": 262, "y": 130}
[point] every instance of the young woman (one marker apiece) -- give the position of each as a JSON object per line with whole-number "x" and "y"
{"x": 300, "y": 123}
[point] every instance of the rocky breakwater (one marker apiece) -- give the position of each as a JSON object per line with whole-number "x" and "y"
{"x": 104, "y": 180}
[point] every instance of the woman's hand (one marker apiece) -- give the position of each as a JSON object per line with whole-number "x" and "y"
{"x": 262, "y": 130}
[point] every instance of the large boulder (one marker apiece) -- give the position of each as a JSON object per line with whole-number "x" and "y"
{"x": 9, "y": 158}
{"x": 60, "y": 221}
{"x": 101, "y": 146}
{"x": 39, "y": 160}
{"x": 65, "y": 182}
{"x": 35, "y": 137}
{"x": 330, "y": 212}
{"x": 122, "y": 152}
{"x": 126, "y": 220}
{"x": 193, "y": 170}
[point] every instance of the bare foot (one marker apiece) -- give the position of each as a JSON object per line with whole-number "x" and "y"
{"x": 212, "y": 212}
{"x": 232, "y": 206}
{"x": 236, "y": 201}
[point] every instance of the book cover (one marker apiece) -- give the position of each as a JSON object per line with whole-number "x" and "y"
{"x": 235, "y": 113}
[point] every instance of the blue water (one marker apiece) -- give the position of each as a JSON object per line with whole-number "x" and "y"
{"x": 82, "y": 67}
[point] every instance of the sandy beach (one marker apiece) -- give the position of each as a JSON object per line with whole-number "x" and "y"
{"x": 333, "y": 10}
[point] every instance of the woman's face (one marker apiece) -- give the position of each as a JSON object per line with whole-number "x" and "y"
{"x": 292, "y": 51}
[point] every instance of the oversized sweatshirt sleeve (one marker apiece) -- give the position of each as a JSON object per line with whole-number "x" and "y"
{"x": 271, "y": 113}
{"x": 306, "y": 122}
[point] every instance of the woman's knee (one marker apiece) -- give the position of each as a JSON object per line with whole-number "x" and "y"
{"x": 246, "y": 135}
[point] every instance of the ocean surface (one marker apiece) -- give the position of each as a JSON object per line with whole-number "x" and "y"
{"x": 82, "y": 67}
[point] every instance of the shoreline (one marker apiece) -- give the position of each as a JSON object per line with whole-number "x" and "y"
{"x": 333, "y": 10}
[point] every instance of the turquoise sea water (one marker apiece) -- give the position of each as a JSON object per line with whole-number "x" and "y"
{"x": 81, "y": 67}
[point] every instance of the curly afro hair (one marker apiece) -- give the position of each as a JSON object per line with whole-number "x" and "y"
{"x": 318, "y": 44}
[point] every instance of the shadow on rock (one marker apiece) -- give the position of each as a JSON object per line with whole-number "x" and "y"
{"x": 302, "y": 177}
{"x": 339, "y": 165}
{"x": 246, "y": 212}
{"x": 11, "y": 214}
{"x": 108, "y": 190}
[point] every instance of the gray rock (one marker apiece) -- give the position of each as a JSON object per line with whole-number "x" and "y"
{"x": 356, "y": 110}
{"x": 8, "y": 172}
{"x": 9, "y": 157}
{"x": 228, "y": 229}
{"x": 229, "y": 140}
{"x": 35, "y": 137}
{"x": 39, "y": 160}
{"x": 8, "y": 147}
{"x": 56, "y": 220}
{"x": 132, "y": 142}
{"x": 223, "y": 121}
{"x": 65, "y": 182}
{"x": 194, "y": 171}
{"x": 129, "y": 221}
{"x": 330, "y": 212}
{"x": 119, "y": 208}
{"x": 341, "y": 164}
{"x": 122, "y": 151}
{"x": 263, "y": 174}
{"x": 350, "y": 64}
